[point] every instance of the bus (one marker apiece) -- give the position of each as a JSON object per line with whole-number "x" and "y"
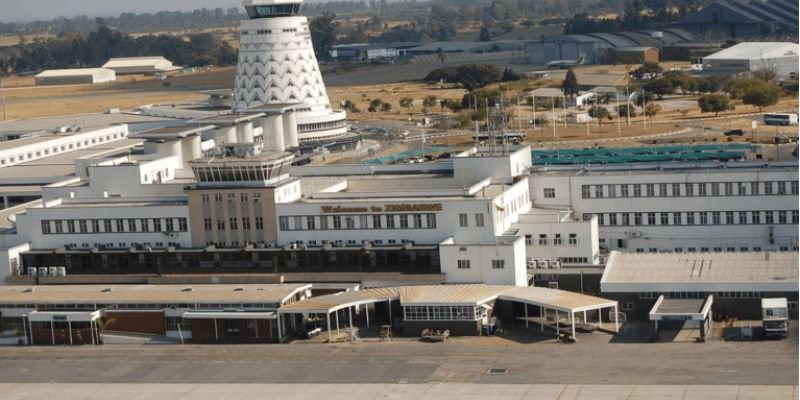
{"x": 780, "y": 119}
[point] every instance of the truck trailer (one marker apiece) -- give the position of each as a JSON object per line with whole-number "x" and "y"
{"x": 775, "y": 313}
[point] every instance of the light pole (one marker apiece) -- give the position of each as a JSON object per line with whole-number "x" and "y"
{"x": 3, "y": 96}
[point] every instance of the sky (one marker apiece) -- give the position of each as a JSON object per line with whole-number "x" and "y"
{"x": 22, "y": 10}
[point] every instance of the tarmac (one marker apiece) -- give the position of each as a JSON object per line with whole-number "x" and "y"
{"x": 431, "y": 391}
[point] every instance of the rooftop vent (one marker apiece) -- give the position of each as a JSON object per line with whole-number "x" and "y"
{"x": 29, "y": 290}
{"x": 239, "y": 289}
{"x": 188, "y": 289}
{"x": 107, "y": 290}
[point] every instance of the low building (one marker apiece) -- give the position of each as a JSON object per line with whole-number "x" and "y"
{"x": 634, "y": 55}
{"x": 58, "y": 315}
{"x": 371, "y": 51}
{"x": 140, "y": 65}
{"x": 76, "y": 76}
{"x": 779, "y": 57}
{"x": 726, "y": 19}
{"x": 737, "y": 281}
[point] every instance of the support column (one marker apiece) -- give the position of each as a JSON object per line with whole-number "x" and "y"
{"x": 350, "y": 317}
{"x": 216, "y": 331}
{"x": 280, "y": 334}
{"x": 69, "y": 326}
{"x": 256, "y": 323}
{"x": 558, "y": 328}
{"x": 52, "y": 332}
{"x": 389, "y": 310}
{"x": 616, "y": 320}
{"x": 527, "y": 325}
{"x": 337, "y": 322}
{"x": 328, "y": 317}
{"x": 366, "y": 311}
{"x": 91, "y": 330}
{"x": 5, "y": 202}
{"x": 572, "y": 319}
{"x": 584, "y": 317}
{"x": 542, "y": 318}
{"x": 30, "y": 326}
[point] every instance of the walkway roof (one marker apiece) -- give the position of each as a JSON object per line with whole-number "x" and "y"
{"x": 451, "y": 295}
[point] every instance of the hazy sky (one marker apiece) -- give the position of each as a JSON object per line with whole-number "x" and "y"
{"x": 15, "y": 10}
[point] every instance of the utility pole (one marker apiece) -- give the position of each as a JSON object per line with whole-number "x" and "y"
{"x": 3, "y": 96}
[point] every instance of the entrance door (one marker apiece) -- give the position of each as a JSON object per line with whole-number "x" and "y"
{"x": 232, "y": 328}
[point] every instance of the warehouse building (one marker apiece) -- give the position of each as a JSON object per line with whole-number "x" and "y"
{"x": 731, "y": 19}
{"x": 779, "y": 57}
{"x": 78, "y": 76}
{"x": 634, "y": 55}
{"x": 140, "y": 65}
{"x": 736, "y": 281}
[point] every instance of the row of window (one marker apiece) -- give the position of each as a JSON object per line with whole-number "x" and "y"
{"x": 233, "y": 224}
{"x": 701, "y": 295}
{"x": 144, "y": 306}
{"x": 558, "y": 240}
{"x": 129, "y": 225}
{"x": 467, "y": 264}
{"x": 442, "y": 313}
{"x": 240, "y": 173}
{"x": 463, "y": 220}
{"x": 685, "y": 189}
{"x": 729, "y": 249}
{"x": 350, "y": 222}
{"x": 77, "y": 144}
{"x": 696, "y": 218}
{"x": 322, "y": 126}
{"x": 231, "y": 197}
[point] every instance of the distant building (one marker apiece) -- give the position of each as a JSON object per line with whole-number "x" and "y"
{"x": 742, "y": 19}
{"x": 782, "y": 58}
{"x": 369, "y": 52}
{"x": 75, "y": 76}
{"x": 140, "y": 65}
{"x": 634, "y": 55}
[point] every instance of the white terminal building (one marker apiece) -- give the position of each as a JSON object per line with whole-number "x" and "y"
{"x": 278, "y": 67}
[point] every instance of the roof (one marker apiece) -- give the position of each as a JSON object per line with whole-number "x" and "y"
{"x": 86, "y": 121}
{"x": 174, "y": 132}
{"x": 73, "y": 72}
{"x": 547, "y": 92}
{"x": 452, "y": 46}
{"x": 133, "y": 61}
{"x": 634, "y": 49}
{"x": 756, "y": 50}
{"x": 149, "y": 294}
{"x": 452, "y": 295}
{"x": 753, "y": 271}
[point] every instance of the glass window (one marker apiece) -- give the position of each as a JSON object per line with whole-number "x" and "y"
{"x": 479, "y": 219}
{"x": 463, "y": 220}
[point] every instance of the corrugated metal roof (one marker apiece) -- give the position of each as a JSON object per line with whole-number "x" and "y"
{"x": 680, "y": 268}
{"x": 74, "y": 72}
{"x": 451, "y": 295}
{"x": 756, "y": 50}
{"x": 148, "y": 294}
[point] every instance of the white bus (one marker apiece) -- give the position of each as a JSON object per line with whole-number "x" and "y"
{"x": 780, "y": 119}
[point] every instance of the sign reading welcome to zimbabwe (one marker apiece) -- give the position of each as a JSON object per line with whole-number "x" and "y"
{"x": 386, "y": 208}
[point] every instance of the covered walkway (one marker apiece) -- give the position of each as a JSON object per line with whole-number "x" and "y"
{"x": 448, "y": 304}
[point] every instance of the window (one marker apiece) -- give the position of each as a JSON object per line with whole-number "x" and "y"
{"x": 403, "y": 221}
{"x": 417, "y": 221}
{"x": 243, "y": 197}
{"x": 767, "y": 187}
{"x": 221, "y": 225}
{"x": 145, "y": 224}
{"x": 549, "y": 193}
{"x": 337, "y": 222}
{"x": 463, "y": 264}
{"x": 462, "y": 220}
{"x": 171, "y": 225}
{"x": 311, "y": 223}
{"x": 741, "y": 189}
{"x": 626, "y": 219}
{"x": 612, "y": 190}
{"x": 651, "y": 190}
{"x": 715, "y": 188}
{"x": 612, "y": 219}
{"x": 770, "y": 217}
{"x": 234, "y": 223}
{"x": 690, "y": 218}
{"x": 207, "y": 224}
{"x": 218, "y": 197}
{"x": 627, "y": 306}
{"x": 573, "y": 239}
{"x": 794, "y": 190}
{"x": 586, "y": 192}
{"x": 157, "y": 225}
{"x": 676, "y": 190}
{"x": 701, "y": 189}
{"x": 390, "y": 224}
{"x": 598, "y": 191}
{"x": 637, "y": 218}
{"x": 651, "y": 218}
{"x": 794, "y": 217}
{"x": 624, "y": 191}
{"x": 676, "y": 218}
{"x": 231, "y": 197}
{"x": 662, "y": 190}
{"x": 256, "y": 197}
{"x": 637, "y": 190}
{"x": 781, "y": 217}
{"x": 755, "y": 217}
{"x": 703, "y": 218}
{"x": 46, "y": 227}
{"x": 132, "y": 225}
{"x": 479, "y": 219}
{"x": 528, "y": 240}
{"x": 753, "y": 188}
{"x": 716, "y": 218}
{"x": 120, "y": 225}
{"x": 557, "y": 240}
{"x": 728, "y": 188}
{"x": 664, "y": 218}
{"x": 206, "y": 198}
{"x": 498, "y": 264}
{"x": 781, "y": 187}
{"x": 742, "y": 217}
{"x": 107, "y": 225}
{"x": 259, "y": 223}
{"x": 689, "y": 189}
{"x": 542, "y": 240}
{"x": 246, "y": 223}
{"x": 431, "y": 220}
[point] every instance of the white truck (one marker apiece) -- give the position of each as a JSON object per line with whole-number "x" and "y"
{"x": 775, "y": 313}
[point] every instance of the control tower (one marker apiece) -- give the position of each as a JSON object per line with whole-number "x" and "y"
{"x": 277, "y": 67}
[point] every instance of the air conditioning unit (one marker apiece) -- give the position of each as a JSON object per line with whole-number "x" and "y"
{"x": 555, "y": 265}
{"x": 544, "y": 264}
{"x": 636, "y": 234}
{"x": 42, "y": 271}
{"x": 52, "y": 271}
{"x": 533, "y": 264}
{"x": 61, "y": 271}
{"x": 32, "y": 271}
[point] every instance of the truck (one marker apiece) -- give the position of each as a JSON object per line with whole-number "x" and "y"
{"x": 775, "y": 313}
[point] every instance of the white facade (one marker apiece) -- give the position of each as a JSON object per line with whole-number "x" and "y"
{"x": 779, "y": 57}
{"x": 75, "y": 76}
{"x": 499, "y": 263}
{"x": 556, "y": 236}
{"x": 744, "y": 207}
{"x": 50, "y": 144}
{"x": 139, "y": 65}
{"x": 277, "y": 65}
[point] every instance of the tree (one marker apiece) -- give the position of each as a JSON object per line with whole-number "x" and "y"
{"x": 485, "y": 35}
{"x": 323, "y": 34}
{"x": 761, "y": 96}
{"x": 453, "y": 105}
{"x": 710, "y": 84}
{"x": 651, "y": 110}
{"x": 660, "y": 87}
{"x": 429, "y": 102}
{"x": 648, "y": 70}
{"x": 470, "y": 76}
{"x": 375, "y": 105}
{"x": 102, "y": 326}
{"x": 622, "y": 111}
{"x": 599, "y": 113}
{"x": 386, "y": 107}
{"x": 407, "y": 103}
{"x": 570, "y": 84}
{"x": 680, "y": 79}
{"x": 441, "y": 55}
{"x": 715, "y": 103}
{"x": 509, "y": 75}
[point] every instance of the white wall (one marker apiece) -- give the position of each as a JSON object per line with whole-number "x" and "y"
{"x": 510, "y": 251}
{"x": 28, "y": 150}
{"x": 585, "y": 231}
{"x": 8, "y": 257}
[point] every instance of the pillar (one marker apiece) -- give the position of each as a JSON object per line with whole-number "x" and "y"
{"x": 542, "y": 318}
{"x": 5, "y": 202}
{"x": 572, "y": 319}
{"x": 290, "y": 129}
{"x": 30, "y": 328}
{"x": 366, "y": 309}
{"x": 337, "y": 322}
{"x": 280, "y": 334}
{"x": 52, "y": 332}
{"x": 328, "y": 317}
{"x": 350, "y": 317}
{"x": 69, "y": 326}
{"x": 245, "y": 132}
{"x": 616, "y": 319}
{"x": 216, "y": 331}
{"x": 272, "y": 133}
{"x": 526, "y": 315}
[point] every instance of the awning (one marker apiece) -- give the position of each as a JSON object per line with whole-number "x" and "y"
{"x": 229, "y": 315}
{"x": 66, "y": 316}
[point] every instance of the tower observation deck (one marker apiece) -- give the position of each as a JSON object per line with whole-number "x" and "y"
{"x": 277, "y": 66}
